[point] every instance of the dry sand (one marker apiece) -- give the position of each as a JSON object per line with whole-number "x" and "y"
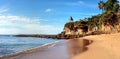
{"x": 105, "y": 46}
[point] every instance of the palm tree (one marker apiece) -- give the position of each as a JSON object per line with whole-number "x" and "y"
{"x": 100, "y": 5}
{"x": 71, "y": 19}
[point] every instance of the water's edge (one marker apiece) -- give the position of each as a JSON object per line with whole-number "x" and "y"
{"x": 48, "y": 45}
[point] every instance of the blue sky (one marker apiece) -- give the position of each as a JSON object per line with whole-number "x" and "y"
{"x": 42, "y": 16}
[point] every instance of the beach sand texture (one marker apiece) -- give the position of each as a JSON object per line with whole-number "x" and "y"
{"x": 105, "y": 46}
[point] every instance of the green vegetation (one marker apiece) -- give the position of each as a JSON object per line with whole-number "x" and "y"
{"x": 108, "y": 17}
{"x": 111, "y": 5}
{"x": 70, "y": 25}
{"x": 84, "y": 23}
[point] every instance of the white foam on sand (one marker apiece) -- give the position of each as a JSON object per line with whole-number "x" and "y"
{"x": 44, "y": 46}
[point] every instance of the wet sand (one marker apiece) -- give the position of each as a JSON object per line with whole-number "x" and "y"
{"x": 62, "y": 50}
{"x": 52, "y": 52}
{"x": 105, "y": 46}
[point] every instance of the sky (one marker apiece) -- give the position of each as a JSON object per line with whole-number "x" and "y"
{"x": 42, "y": 16}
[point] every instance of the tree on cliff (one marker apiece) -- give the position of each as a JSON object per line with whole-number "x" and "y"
{"x": 100, "y": 5}
{"x": 71, "y": 19}
{"x": 110, "y": 9}
{"x": 110, "y": 5}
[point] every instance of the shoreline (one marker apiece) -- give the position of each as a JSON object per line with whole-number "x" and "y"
{"x": 31, "y": 50}
{"x": 104, "y": 46}
{"x": 46, "y": 53}
{"x": 63, "y": 49}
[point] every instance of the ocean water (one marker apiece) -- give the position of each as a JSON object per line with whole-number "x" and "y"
{"x": 10, "y": 45}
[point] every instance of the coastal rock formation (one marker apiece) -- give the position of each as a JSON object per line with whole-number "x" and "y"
{"x": 72, "y": 32}
{"x": 109, "y": 22}
{"x": 76, "y": 28}
{"x": 112, "y": 28}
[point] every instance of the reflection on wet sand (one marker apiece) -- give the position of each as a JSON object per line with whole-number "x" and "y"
{"x": 65, "y": 49}
{"x": 77, "y": 46}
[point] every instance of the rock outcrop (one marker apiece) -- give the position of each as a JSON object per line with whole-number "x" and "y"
{"x": 72, "y": 32}
{"x": 112, "y": 28}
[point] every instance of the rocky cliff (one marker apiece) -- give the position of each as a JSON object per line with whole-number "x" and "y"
{"x": 108, "y": 23}
{"x": 112, "y": 28}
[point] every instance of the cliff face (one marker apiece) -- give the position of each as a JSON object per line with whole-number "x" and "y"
{"x": 112, "y": 28}
{"x": 118, "y": 26}
{"x": 107, "y": 23}
{"x": 107, "y": 28}
{"x": 72, "y": 32}
{"x": 67, "y": 31}
{"x": 75, "y": 28}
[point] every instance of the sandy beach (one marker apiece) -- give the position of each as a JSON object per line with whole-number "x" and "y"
{"x": 105, "y": 46}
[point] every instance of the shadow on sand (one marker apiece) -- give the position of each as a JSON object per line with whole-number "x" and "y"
{"x": 77, "y": 46}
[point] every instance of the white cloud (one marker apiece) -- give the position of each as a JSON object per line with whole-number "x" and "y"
{"x": 80, "y": 3}
{"x": 77, "y": 3}
{"x": 3, "y": 9}
{"x": 48, "y": 10}
{"x": 9, "y": 31}
{"x": 10, "y": 24}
